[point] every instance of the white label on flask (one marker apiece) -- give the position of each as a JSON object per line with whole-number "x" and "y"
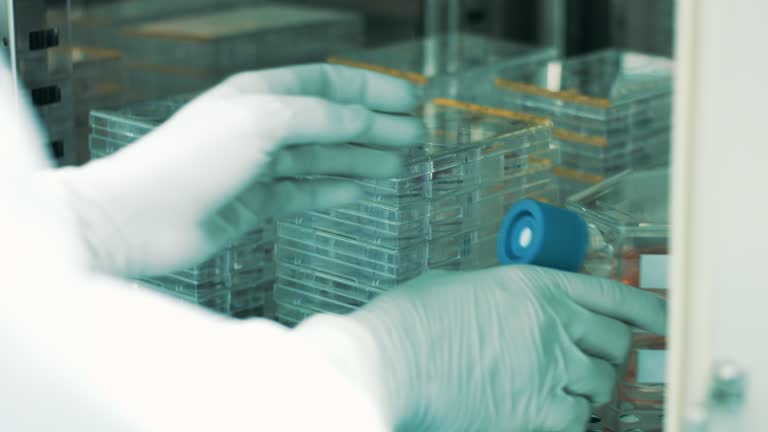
{"x": 651, "y": 366}
{"x": 653, "y": 271}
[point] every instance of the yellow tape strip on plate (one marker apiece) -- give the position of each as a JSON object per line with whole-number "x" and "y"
{"x": 579, "y": 138}
{"x": 579, "y": 176}
{"x": 498, "y": 112}
{"x": 566, "y": 95}
{"x": 413, "y": 77}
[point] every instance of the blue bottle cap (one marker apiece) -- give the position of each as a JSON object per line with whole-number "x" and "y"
{"x": 541, "y": 234}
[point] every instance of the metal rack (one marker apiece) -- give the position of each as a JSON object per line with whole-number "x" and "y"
{"x": 34, "y": 47}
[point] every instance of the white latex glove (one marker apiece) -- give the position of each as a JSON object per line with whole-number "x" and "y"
{"x": 506, "y": 349}
{"x": 224, "y": 163}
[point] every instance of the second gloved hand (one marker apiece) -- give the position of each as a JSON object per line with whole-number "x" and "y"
{"x": 229, "y": 159}
{"x": 507, "y": 349}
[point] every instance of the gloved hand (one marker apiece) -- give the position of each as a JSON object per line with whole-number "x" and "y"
{"x": 513, "y": 348}
{"x": 229, "y": 159}
{"x": 86, "y": 363}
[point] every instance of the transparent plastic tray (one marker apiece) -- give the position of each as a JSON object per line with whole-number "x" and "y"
{"x": 328, "y": 283}
{"x": 467, "y": 215}
{"x": 100, "y": 147}
{"x": 385, "y": 260}
{"x": 287, "y": 313}
{"x": 461, "y": 132}
{"x": 357, "y": 262}
{"x": 431, "y": 210}
{"x": 251, "y": 297}
{"x": 467, "y": 145}
{"x": 95, "y": 154}
{"x": 459, "y": 169}
{"x": 244, "y": 36}
{"x": 407, "y": 263}
{"x": 213, "y": 269}
{"x": 252, "y": 312}
{"x": 549, "y": 194}
{"x": 355, "y": 274}
{"x": 598, "y": 149}
{"x": 259, "y": 235}
{"x": 184, "y": 288}
{"x": 252, "y": 276}
{"x": 636, "y": 116}
{"x": 119, "y": 134}
{"x": 316, "y": 293}
{"x": 572, "y": 181}
{"x": 483, "y": 255}
{"x": 136, "y": 120}
{"x": 653, "y": 151}
{"x": 246, "y": 257}
{"x": 652, "y": 139}
{"x": 299, "y": 295}
{"x": 486, "y": 168}
{"x": 591, "y": 85}
{"x": 443, "y": 63}
{"x": 222, "y": 300}
{"x": 286, "y": 321}
{"x": 536, "y": 171}
{"x": 309, "y": 296}
{"x": 247, "y": 300}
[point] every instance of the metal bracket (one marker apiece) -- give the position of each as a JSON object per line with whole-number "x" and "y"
{"x": 726, "y": 396}
{"x": 728, "y": 388}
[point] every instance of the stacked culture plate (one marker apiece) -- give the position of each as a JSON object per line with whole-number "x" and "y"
{"x": 442, "y": 213}
{"x": 611, "y": 110}
{"x": 238, "y": 280}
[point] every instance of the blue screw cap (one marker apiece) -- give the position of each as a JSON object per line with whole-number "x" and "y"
{"x": 541, "y": 234}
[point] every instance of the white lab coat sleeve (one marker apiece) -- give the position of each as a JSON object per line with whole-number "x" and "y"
{"x": 86, "y": 353}
{"x": 96, "y": 354}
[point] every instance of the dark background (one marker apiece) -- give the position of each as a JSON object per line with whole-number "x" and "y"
{"x": 645, "y": 25}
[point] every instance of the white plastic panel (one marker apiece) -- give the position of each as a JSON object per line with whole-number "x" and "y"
{"x": 719, "y": 214}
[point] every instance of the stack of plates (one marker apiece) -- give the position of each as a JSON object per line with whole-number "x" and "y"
{"x": 191, "y": 51}
{"x": 611, "y": 110}
{"x": 238, "y": 280}
{"x": 443, "y": 212}
{"x": 98, "y": 24}
{"x": 457, "y": 66}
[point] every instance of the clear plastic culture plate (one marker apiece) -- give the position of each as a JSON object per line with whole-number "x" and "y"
{"x": 328, "y": 282}
{"x": 467, "y": 59}
{"x": 590, "y": 85}
{"x": 300, "y": 295}
{"x": 248, "y": 35}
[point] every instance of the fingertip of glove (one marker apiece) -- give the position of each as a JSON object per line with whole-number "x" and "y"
{"x": 345, "y": 193}
{"x": 388, "y": 165}
{"x": 416, "y": 95}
